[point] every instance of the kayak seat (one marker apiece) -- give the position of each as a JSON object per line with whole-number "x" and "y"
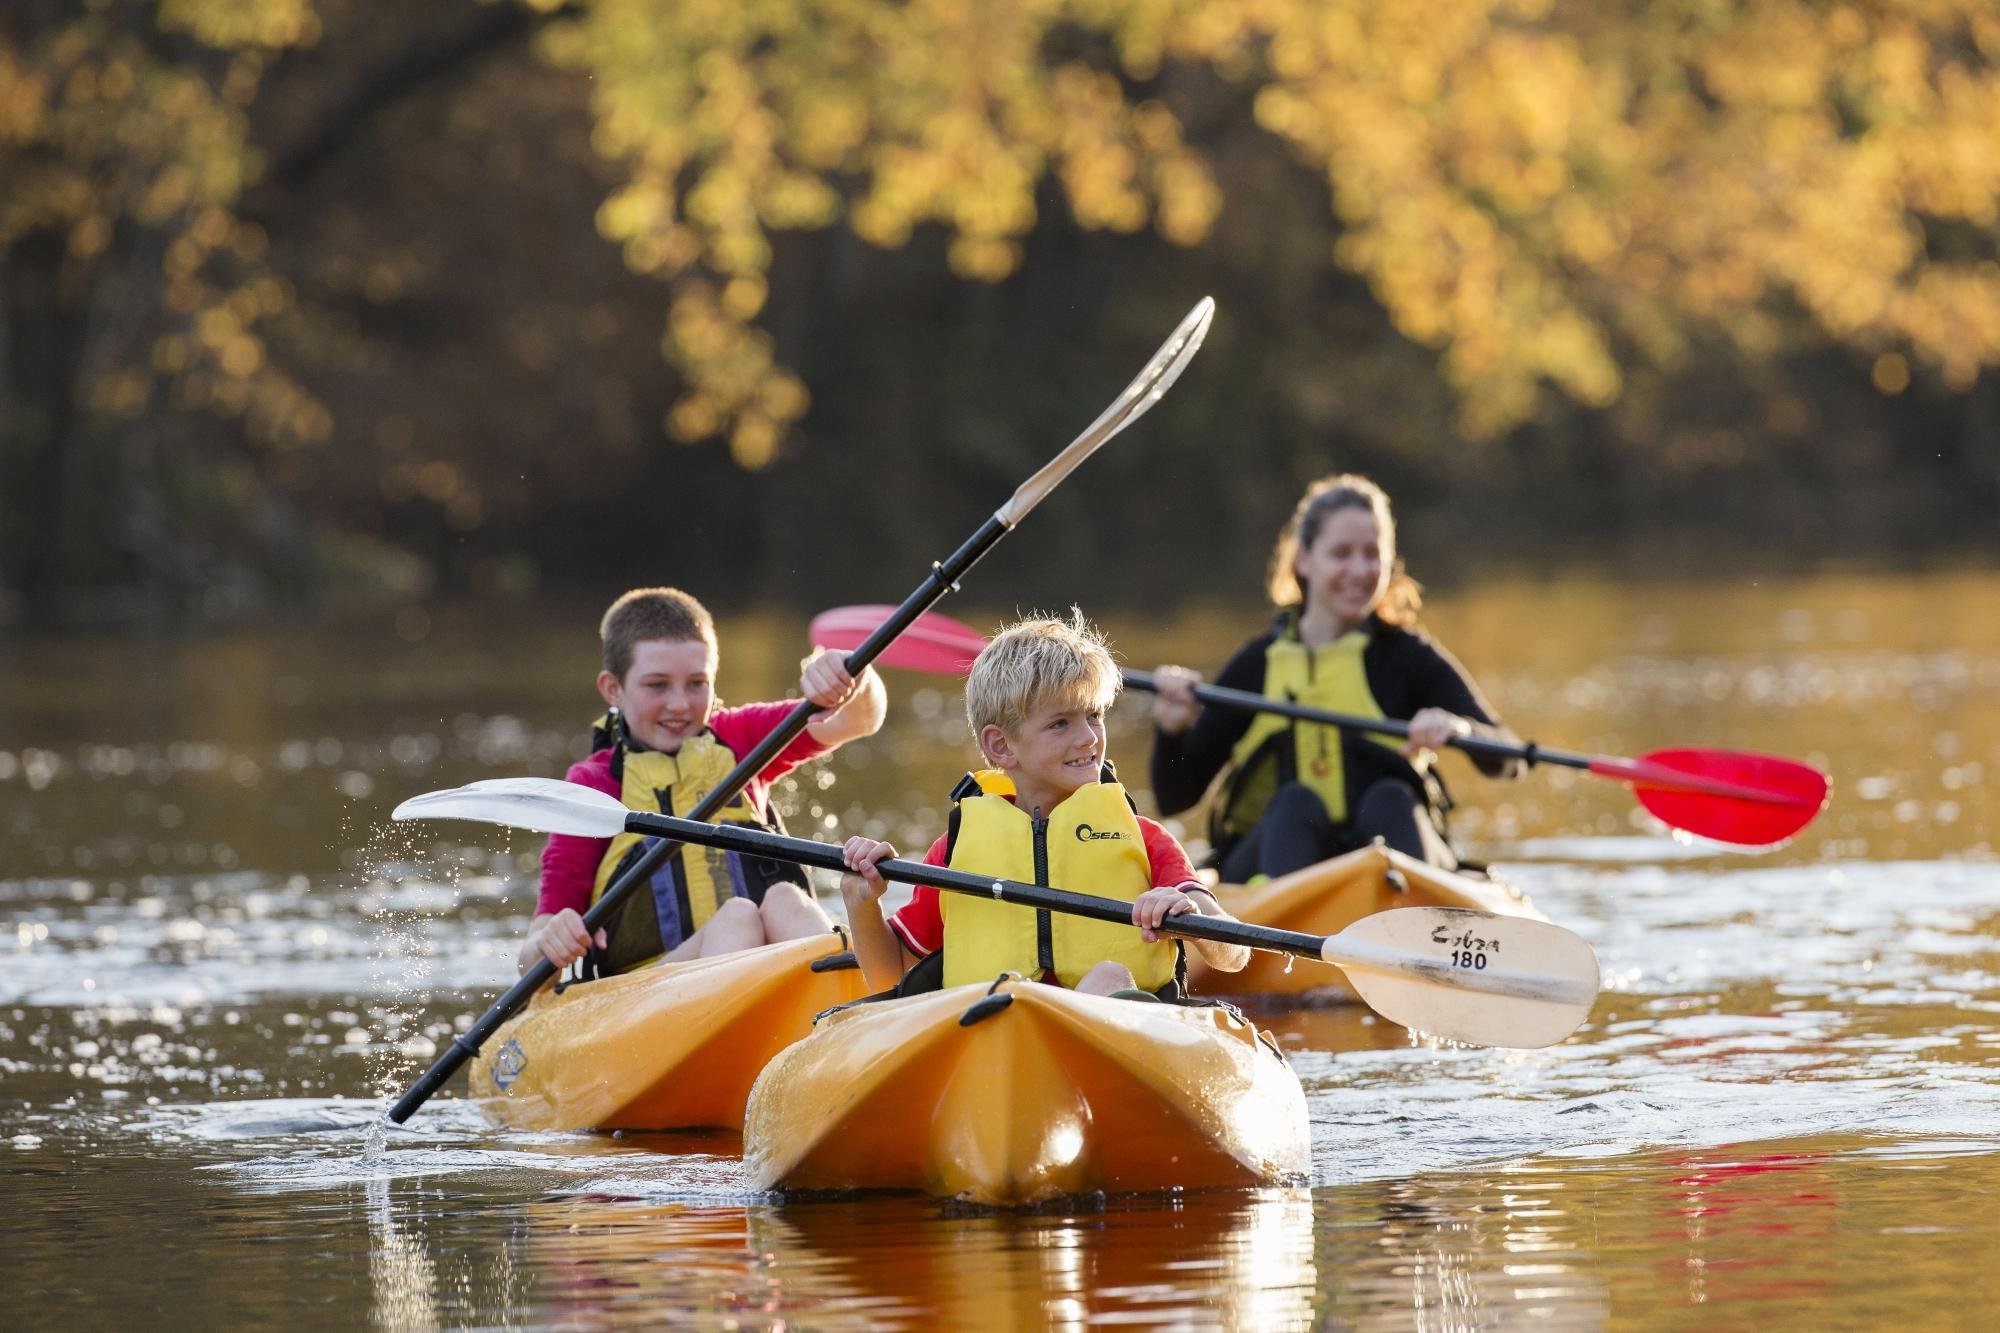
{"x": 925, "y": 976}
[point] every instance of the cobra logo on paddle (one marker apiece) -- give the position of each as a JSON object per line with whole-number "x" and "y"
{"x": 1467, "y": 950}
{"x": 508, "y": 1064}
{"x": 1085, "y": 833}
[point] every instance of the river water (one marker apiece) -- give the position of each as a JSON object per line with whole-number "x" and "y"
{"x": 219, "y": 961}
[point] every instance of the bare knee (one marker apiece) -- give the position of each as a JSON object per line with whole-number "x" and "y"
{"x": 735, "y": 914}
{"x": 737, "y": 924}
{"x": 1106, "y": 979}
{"x": 789, "y": 912}
{"x": 786, "y": 896}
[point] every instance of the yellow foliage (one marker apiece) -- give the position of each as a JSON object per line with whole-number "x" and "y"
{"x": 1541, "y": 191}
{"x": 1526, "y": 185}
{"x": 233, "y": 23}
{"x": 736, "y": 119}
{"x": 1891, "y": 373}
{"x": 105, "y": 133}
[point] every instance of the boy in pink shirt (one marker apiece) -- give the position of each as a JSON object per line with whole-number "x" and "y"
{"x": 663, "y": 746}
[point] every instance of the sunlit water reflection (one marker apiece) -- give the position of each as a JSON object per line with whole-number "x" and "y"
{"x": 218, "y": 962}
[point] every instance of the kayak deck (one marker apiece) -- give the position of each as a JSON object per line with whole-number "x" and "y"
{"x": 1327, "y": 898}
{"x": 1024, "y": 1094}
{"x": 670, "y": 1047}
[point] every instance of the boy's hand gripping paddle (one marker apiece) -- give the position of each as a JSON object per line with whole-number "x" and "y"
{"x": 1158, "y": 375}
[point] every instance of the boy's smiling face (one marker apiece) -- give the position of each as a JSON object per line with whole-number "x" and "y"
{"x": 667, "y": 694}
{"x": 1056, "y": 750}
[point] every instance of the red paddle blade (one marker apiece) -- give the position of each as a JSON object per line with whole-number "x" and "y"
{"x": 1752, "y": 800}
{"x": 932, "y": 643}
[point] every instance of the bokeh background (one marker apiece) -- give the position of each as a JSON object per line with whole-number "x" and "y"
{"x": 319, "y": 304}
{"x": 355, "y": 354}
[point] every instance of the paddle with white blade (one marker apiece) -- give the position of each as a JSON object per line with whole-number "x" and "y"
{"x": 630, "y": 941}
{"x": 1473, "y": 977}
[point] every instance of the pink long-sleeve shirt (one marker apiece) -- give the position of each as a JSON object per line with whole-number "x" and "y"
{"x": 569, "y": 863}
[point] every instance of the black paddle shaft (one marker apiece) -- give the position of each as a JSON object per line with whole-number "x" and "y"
{"x": 943, "y": 579}
{"x": 757, "y": 842}
{"x": 1245, "y": 702}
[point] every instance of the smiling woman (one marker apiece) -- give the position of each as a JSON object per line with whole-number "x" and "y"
{"x": 1346, "y": 640}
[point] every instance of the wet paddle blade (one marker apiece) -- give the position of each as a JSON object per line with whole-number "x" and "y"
{"x": 1474, "y": 977}
{"x": 1751, "y": 800}
{"x": 544, "y": 805}
{"x": 933, "y": 643}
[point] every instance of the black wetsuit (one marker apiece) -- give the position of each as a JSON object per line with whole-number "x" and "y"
{"x": 1407, "y": 672}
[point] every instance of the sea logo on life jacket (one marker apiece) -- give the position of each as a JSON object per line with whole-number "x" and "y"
{"x": 1085, "y": 833}
{"x": 508, "y": 1064}
{"x": 1320, "y": 767}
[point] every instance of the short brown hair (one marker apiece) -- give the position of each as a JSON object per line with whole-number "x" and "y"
{"x": 1323, "y": 499}
{"x": 652, "y": 613}
{"x": 1030, "y": 663}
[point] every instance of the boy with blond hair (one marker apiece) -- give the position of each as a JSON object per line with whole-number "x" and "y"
{"x": 663, "y": 744}
{"x": 1046, "y": 810}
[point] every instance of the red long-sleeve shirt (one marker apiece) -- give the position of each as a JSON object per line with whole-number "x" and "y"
{"x": 569, "y": 863}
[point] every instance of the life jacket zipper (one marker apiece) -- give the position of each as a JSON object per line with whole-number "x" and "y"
{"x": 1045, "y": 930}
{"x": 1312, "y": 663}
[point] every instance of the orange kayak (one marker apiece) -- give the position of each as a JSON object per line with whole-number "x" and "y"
{"x": 1327, "y": 898}
{"x": 1020, "y": 1092}
{"x": 669, "y": 1047}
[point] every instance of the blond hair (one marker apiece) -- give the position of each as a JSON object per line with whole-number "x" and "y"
{"x": 652, "y": 613}
{"x": 1036, "y": 662}
{"x": 1323, "y": 499}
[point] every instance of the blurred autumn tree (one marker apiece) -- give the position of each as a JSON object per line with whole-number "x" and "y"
{"x": 129, "y": 276}
{"x": 1591, "y": 265}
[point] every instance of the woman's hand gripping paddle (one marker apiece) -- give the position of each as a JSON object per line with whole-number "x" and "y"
{"x": 1732, "y": 796}
{"x": 1474, "y": 977}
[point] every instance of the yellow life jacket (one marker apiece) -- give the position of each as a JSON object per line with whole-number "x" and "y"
{"x": 1091, "y": 843}
{"x": 1275, "y": 749}
{"x": 692, "y": 882}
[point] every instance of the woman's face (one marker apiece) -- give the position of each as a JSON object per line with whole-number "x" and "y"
{"x": 1346, "y": 569}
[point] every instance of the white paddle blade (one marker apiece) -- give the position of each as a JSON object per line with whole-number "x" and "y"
{"x": 1157, "y": 377}
{"x": 542, "y": 804}
{"x": 1475, "y": 977}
